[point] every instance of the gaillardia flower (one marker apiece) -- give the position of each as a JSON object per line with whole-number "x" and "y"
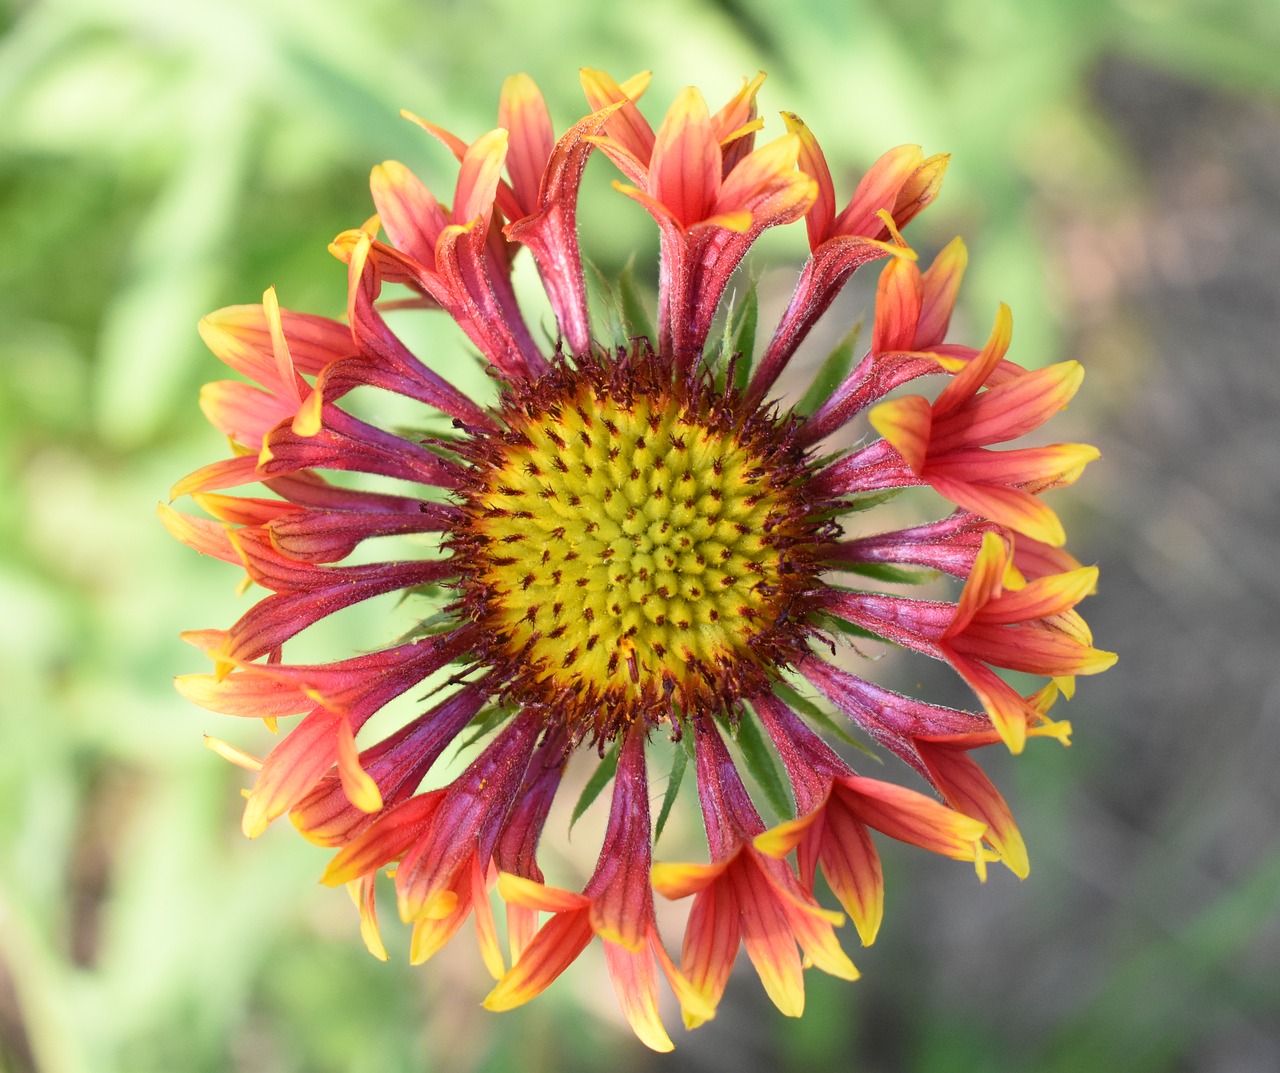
{"x": 631, "y": 543}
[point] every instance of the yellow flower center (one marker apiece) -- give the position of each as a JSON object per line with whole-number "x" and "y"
{"x": 631, "y": 549}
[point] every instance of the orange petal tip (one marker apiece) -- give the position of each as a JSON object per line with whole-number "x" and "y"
{"x": 439, "y": 905}
{"x": 529, "y": 894}
{"x": 231, "y": 754}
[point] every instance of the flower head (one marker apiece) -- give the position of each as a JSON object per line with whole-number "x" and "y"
{"x": 629, "y": 543}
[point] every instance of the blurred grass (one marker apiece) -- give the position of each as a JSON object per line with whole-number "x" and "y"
{"x": 158, "y": 161}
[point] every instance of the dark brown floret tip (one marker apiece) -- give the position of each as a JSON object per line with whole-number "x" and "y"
{"x": 590, "y": 579}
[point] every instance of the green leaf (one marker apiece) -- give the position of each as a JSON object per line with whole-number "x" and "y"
{"x": 820, "y": 718}
{"x": 832, "y": 373}
{"x": 679, "y": 762}
{"x": 598, "y": 781}
{"x": 762, "y": 763}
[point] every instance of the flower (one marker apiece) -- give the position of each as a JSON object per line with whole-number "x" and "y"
{"x": 631, "y": 543}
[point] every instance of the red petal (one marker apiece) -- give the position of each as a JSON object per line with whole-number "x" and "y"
{"x": 684, "y": 173}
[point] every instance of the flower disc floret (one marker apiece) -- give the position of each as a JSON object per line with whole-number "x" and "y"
{"x": 631, "y": 543}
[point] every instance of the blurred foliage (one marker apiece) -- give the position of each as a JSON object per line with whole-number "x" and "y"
{"x": 159, "y": 160}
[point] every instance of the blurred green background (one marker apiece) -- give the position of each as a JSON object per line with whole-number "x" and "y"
{"x": 1116, "y": 172}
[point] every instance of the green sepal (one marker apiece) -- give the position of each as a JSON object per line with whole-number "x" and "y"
{"x": 762, "y": 765}
{"x": 826, "y": 621}
{"x": 888, "y": 573}
{"x": 485, "y": 721}
{"x": 822, "y": 720}
{"x": 680, "y": 754}
{"x": 623, "y": 307}
{"x": 598, "y": 781}
{"x": 854, "y": 504}
{"x": 744, "y": 337}
{"x": 635, "y": 313}
{"x": 737, "y": 339}
{"x": 831, "y": 374}
{"x": 441, "y": 621}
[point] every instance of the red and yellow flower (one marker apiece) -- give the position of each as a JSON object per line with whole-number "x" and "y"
{"x": 629, "y": 543}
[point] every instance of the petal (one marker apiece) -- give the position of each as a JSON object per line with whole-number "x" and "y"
{"x": 287, "y": 380}
{"x": 622, "y": 899}
{"x": 1033, "y": 650}
{"x": 1042, "y": 597}
{"x": 920, "y": 188}
{"x": 291, "y": 769}
{"x": 242, "y": 412}
{"x": 635, "y": 981}
{"x": 1011, "y": 409}
{"x": 983, "y": 583}
{"x": 684, "y": 173}
{"x": 878, "y": 190}
{"x": 965, "y": 384}
{"x": 780, "y": 840}
{"x": 911, "y": 817}
{"x": 431, "y": 933}
{"x": 899, "y": 296}
{"x": 968, "y": 790}
{"x": 478, "y": 178}
{"x": 1012, "y": 507}
{"x": 538, "y": 896}
{"x": 769, "y": 171}
{"x": 384, "y": 840}
{"x": 771, "y": 944}
{"x": 906, "y": 423}
{"x": 241, "y": 336}
{"x": 205, "y": 535}
{"x": 813, "y": 163}
{"x": 244, "y": 695}
{"x": 229, "y": 473}
{"x": 469, "y": 821}
{"x": 627, "y": 128}
{"x": 410, "y": 213}
{"x": 711, "y": 940}
{"x": 852, "y": 867}
{"x": 397, "y": 764}
{"x": 523, "y": 112}
{"x": 486, "y": 926}
{"x": 939, "y": 287}
{"x": 360, "y": 789}
{"x": 555, "y": 947}
{"x": 363, "y": 893}
{"x": 1008, "y": 711}
{"x": 676, "y": 881}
